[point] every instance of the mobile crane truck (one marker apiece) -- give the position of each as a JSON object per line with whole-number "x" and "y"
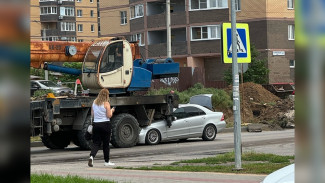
{"x": 61, "y": 120}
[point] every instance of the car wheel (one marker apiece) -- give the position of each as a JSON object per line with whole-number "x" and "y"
{"x": 209, "y": 133}
{"x": 153, "y": 137}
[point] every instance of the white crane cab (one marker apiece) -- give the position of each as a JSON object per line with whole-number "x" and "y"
{"x": 108, "y": 64}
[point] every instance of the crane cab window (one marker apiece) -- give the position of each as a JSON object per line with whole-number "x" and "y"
{"x": 112, "y": 58}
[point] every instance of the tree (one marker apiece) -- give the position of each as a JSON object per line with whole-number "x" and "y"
{"x": 257, "y": 71}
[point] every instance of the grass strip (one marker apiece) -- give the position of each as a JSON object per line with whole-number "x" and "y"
{"x": 252, "y": 163}
{"x": 47, "y": 178}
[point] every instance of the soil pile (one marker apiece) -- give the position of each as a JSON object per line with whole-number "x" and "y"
{"x": 258, "y": 105}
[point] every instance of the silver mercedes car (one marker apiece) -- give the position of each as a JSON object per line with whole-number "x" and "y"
{"x": 191, "y": 120}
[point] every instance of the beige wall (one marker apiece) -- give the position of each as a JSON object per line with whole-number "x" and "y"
{"x": 110, "y": 21}
{"x": 255, "y": 9}
{"x": 86, "y": 20}
{"x": 35, "y": 24}
{"x": 278, "y": 9}
{"x": 110, "y": 18}
{"x": 110, "y": 3}
{"x": 250, "y": 9}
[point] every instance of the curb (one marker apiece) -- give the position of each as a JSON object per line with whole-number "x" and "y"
{"x": 229, "y": 130}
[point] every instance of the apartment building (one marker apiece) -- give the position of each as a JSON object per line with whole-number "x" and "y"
{"x": 271, "y": 24}
{"x": 196, "y": 31}
{"x": 64, "y": 20}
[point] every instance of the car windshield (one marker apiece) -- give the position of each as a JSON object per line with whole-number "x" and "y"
{"x": 49, "y": 83}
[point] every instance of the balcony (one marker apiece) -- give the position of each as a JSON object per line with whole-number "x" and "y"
{"x": 205, "y": 47}
{"x": 57, "y": 32}
{"x": 213, "y": 16}
{"x": 159, "y": 20}
{"x": 156, "y": 13}
{"x": 160, "y": 50}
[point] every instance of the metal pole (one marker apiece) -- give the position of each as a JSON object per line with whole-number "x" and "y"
{"x": 169, "y": 46}
{"x": 236, "y": 97}
{"x": 46, "y": 72}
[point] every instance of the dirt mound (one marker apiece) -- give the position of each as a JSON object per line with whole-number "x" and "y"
{"x": 258, "y": 105}
{"x": 257, "y": 93}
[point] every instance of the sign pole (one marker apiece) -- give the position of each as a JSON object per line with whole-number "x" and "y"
{"x": 236, "y": 98}
{"x": 169, "y": 47}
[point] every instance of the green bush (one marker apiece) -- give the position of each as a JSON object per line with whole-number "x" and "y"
{"x": 220, "y": 98}
{"x": 41, "y": 93}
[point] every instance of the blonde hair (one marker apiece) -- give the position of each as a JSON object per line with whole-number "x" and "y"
{"x": 102, "y": 97}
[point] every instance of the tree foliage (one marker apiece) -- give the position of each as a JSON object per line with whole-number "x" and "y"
{"x": 257, "y": 71}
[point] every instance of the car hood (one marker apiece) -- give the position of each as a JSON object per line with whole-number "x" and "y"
{"x": 283, "y": 175}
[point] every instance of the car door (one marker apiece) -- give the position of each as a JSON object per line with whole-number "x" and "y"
{"x": 195, "y": 120}
{"x": 116, "y": 66}
{"x": 179, "y": 127}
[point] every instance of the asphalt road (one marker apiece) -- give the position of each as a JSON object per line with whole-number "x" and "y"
{"x": 74, "y": 161}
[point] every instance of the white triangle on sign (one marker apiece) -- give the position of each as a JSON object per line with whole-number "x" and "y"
{"x": 240, "y": 45}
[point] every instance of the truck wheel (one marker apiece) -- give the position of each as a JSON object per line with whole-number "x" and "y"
{"x": 81, "y": 140}
{"x": 57, "y": 140}
{"x": 153, "y": 137}
{"x": 209, "y": 133}
{"x": 125, "y": 130}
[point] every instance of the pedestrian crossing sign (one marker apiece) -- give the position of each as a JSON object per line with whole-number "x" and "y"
{"x": 243, "y": 43}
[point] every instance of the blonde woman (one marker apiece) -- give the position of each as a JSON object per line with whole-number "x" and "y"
{"x": 101, "y": 112}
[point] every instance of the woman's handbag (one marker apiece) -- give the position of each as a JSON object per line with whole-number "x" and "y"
{"x": 89, "y": 132}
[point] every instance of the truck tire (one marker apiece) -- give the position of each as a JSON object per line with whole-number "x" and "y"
{"x": 57, "y": 140}
{"x": 125, "y": 130}
{"x": 81, "y": 140}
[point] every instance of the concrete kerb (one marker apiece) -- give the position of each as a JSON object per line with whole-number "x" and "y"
{"x": 226, "y": 130}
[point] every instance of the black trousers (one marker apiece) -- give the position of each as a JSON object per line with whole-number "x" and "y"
{"x": 101, "y": 134}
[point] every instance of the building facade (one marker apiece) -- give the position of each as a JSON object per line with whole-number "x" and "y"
{"x": 196, "y": 31}
{"x": 64, "y": 20}
{"x": 271, "y": 24}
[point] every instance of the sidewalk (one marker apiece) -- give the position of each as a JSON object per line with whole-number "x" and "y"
{"x": 139, "y": 176}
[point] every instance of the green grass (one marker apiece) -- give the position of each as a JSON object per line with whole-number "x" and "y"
{"x": 254, "y": 163}
{"x": 46, "y": 178}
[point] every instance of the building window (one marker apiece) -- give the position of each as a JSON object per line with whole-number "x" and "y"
{"x": 78, "y": 0}
{"x": 292, "y": 63}
{"x": 80, "y": 40}
{"x": 50, "y": 38}
{"x": 138, "y": 37}
{"x": 71, "y": 39}
{"x": 208, "y": 4}
{"x": 67, "y": 11}
{"x": 68, "y": 39}
{"x": 291, "y": 32}
{"x": 238, "y": 5}
{"x": 136, "y": 11}
{"x": 79, "y": 13}
{"x": 290, "y": 4}
{"x": 91, "y": 1}
{"x": 123, "y": 17}
{"x": 80, "y": 28}
{"x": 68, "y": 26}
{"x": 206, "y": 32}
{"x": 91, "y": 13}
{"x": 92, "y": 28}
{"x": 47, "y": 10}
